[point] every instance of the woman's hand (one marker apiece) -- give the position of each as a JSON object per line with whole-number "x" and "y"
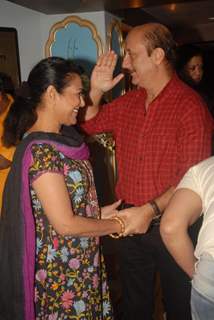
{"x": 107, "y": 212}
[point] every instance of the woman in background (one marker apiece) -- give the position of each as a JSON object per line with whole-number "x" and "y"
{"x": 50, "y": 219}
{"x": 190, "y": 68}
{"x": 190, "y": 65}
{"x": 6, "y": 154}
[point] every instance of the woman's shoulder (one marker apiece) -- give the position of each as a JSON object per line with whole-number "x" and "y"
{"x": 46, "y": 157}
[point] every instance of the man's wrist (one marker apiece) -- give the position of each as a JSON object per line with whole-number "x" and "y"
{"x": 156, "y": 210}
{"x": 96, "y": 92}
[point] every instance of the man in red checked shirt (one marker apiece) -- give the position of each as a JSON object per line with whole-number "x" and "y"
{"x": 161, "y": 129}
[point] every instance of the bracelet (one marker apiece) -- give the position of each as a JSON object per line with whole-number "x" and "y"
{"x": 155, "y": 208}
{"x": 122, "y": 226}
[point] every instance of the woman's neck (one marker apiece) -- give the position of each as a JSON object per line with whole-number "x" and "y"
{"x": 44, "y": 126}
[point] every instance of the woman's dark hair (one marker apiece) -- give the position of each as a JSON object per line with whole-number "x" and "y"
{"x": 6, "y": 84}
{"x": 53, "y": 71}
{"x": 184, "y": 54}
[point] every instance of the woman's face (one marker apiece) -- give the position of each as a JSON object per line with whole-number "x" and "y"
{"x": 70, "y": 100}
{"x": 194, "y": 69}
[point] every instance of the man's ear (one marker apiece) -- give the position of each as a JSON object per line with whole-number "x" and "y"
{"x": 158, "y": 55}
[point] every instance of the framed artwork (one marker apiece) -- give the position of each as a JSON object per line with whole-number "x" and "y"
{"x": 115, "y": 42}
{"x": 9, "y": 54}
{"x": 77, "y": 39}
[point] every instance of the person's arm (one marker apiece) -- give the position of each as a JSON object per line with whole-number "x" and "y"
{"x": 138, "y": 219}
{"x": 4, "y": 162}
{"x": 53, "y": 195}
{"x": 183, "y": 210}
{"x": 101, "y": 81}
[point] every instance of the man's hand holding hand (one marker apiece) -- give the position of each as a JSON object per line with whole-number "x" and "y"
{"x": 137, "y": 219}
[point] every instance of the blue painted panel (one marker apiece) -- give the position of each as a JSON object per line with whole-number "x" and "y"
{"x": 76, "y": 42}
{"x": 115, "y": 44}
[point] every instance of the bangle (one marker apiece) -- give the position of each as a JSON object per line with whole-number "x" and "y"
{"x": 155, "y": 208}
{"x": 122, "y": 226}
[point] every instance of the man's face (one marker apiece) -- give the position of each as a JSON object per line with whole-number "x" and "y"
{"x": 137, "y": 61}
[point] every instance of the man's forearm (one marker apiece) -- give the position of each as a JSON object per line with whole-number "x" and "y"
{"x": 181, "y": 248}
{"x": 182, "y": 211}
{"x": 163, "y": 200}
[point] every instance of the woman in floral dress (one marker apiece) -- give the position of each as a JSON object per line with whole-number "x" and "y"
{"x": 71, "y": 264}
{"x": 49, "y": 231}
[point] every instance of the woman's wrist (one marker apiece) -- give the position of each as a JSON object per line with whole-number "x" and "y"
{"x": 121, "y": 223}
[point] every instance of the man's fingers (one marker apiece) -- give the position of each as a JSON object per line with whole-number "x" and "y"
{"x": 108, "y": 59}
{"x": 117, "y": 79}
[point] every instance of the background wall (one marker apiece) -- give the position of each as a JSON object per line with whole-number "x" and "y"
{"x": 33, "y": 30}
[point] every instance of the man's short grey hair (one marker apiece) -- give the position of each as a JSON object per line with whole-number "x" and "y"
{"x": 159, "y": 36}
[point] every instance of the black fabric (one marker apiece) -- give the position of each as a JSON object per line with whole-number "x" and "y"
{"x": 140, "y": 257}
{"x": 125, "y": 205}
{"x": 11, "y": 228}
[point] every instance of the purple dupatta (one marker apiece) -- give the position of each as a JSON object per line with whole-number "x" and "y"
{"x": 20, "y": 288}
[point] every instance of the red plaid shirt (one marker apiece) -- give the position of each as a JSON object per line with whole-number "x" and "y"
{"x": 155, "y": 148}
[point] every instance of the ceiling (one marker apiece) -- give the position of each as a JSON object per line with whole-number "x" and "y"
{"x": 175, "y": 14}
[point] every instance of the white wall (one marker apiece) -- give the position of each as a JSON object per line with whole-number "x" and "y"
{"x": 28, "y": 25}
{"x": 33, "y": 30}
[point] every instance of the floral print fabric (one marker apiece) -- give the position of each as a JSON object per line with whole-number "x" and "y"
{"x": 70, "y": 278}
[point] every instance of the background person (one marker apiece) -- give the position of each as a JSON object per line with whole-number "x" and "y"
{"x": 50, "y": 223}
{"x": 190, "y": 64}
{"x": 6, "y": 154}
{"x": 190, "y": 68}
{"x": 160, "y": 130}
{"x": 194, "y": 197}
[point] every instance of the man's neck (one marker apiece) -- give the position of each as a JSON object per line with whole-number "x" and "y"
{"x": 157, "y": 86}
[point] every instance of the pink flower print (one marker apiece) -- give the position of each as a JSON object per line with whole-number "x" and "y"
{"x": 72, "y": 251}
{"x": 96, "y": 260}
{"x": 41, "y": 275}
{"x": 95, "y": 281}
{"x": 55, "y": 243}
{"x": 36, "y": 295}
{"x": 67, "y": 299}
{"x": 104, "y": 285}
{"x": 74, "y": 264}
{"x": 53, "y": 316}
{"x": 66, "y": 169}
{"x": 62, "y": 276}
{"x": 88, "y": 211}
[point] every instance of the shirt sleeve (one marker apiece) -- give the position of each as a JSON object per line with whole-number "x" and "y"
{"x": 189, "y": 181}
{"x": 45, "y": 159}
{"x": 195, "y": 135}
{"x": 108, "y": 117}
